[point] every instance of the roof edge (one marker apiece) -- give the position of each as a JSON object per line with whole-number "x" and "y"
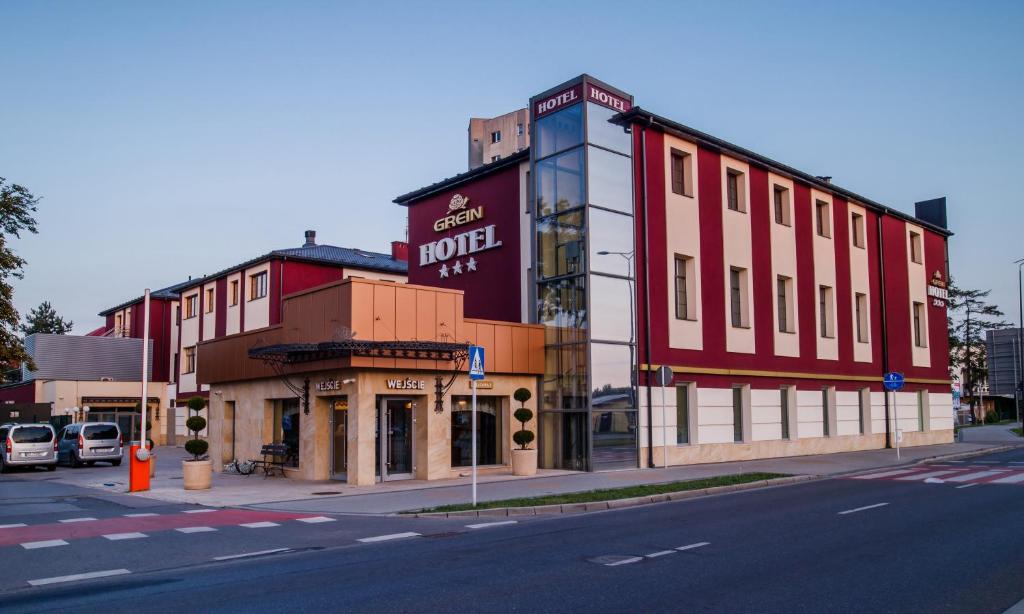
{"x": 408, "y": 198}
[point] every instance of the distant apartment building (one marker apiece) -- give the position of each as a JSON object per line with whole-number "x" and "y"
{"x": 499, "y": 137}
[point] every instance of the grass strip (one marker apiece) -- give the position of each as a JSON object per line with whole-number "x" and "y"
{"x": 611, "y": 494}
{"x": 1016, "y": 431}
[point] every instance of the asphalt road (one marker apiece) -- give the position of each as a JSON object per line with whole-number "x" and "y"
{"x": 837, "y": 545}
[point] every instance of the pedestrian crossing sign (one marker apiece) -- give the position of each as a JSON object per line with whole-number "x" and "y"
{"x": 476, "y": 362}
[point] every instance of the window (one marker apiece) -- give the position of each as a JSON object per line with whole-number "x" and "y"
{"x": 257, "y": 286}
{"x": 784, "y": 394}
{"x": 915, "y": 248}
{"x": 823, "y": 219}
{"x": 209, "y": 300}
{"x": 682, "y": 173}
{"x": 234, "y": 292}
{"x": 683, "y": 413}
{"x": 737, "y": 297}
{"x": 734, "y": 191}
{"x": 684, "y": 288}
{"x": 860, "y": 307}
{"x": 737, "y": 414}
{"x": 496, "y": 136}
{"x": 921, "y": 405}
{"x": 519, "y": 130}
{"x": 919, "y": 322}
{"x": 781, "y": 202}
{"x": 825, "y": 312}
{"x": 863, "y": 406}
{"x": 286, "y": 428}
{"x": 488, "y": 431}
{"x": 784, "y": 298}
{"x": 190, "y": 359}
{"x": 825, "y": 402}
{"x": 857, "y": 230}
{"x": 118, "y": 325}
{"x": 495, "y": 158}
{"x": 191, "y": 306}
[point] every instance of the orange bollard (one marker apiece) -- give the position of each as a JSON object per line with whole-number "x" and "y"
{"x": 138, "y": 472}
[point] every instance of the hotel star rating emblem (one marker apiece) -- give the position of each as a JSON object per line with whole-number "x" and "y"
{"x": 458, "y": 268}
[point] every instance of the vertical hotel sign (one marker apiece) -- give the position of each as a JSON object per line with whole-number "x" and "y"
{"x": 578, "y": 92}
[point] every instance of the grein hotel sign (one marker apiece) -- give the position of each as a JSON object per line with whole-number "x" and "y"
{"x": 462, "y": 244}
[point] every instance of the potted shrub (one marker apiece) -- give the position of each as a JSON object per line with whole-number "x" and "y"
{"x": 197, "y": 471}
{"x": 524, "y": 458}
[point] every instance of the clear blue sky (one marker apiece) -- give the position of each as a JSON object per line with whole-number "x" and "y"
{"x": 169, "y": 140}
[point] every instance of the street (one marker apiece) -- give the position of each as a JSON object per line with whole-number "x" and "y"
{"x": 935, "y": 538}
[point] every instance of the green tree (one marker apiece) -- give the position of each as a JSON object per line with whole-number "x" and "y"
{"x": 970, "y": 318}
{"x": 17, "y": 205}
{"x": 44, "y": 319}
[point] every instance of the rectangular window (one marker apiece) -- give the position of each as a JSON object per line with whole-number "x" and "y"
{"x": 683, "y": 413}
{"x": 784, "y": 300}
{"x": 825, "y": 402}
{"x": 191, "y": 306}
{"x": 919, "y": 322}
{"x": 915, "y": 248}
{"x": 234, "y": 292}
{"x": 682, "y": 173}
{"x": 519, "y": 130}
{"x": 822, "y": 219}
{"x": 496, "y": 136}
{"x": 209, "y": 301}
{"x": 857, "y": 230}
{"x": 737, "y": 297}
{"x": 257, "y": 286}
{"x": 286, "y": 428}
{"x": 784, "y": 394}
{"x": 863, "y": 406}
{"x": 488, "y": 431}
{"x": 495, "y": 158}
{"x": 781, "y": 201}
{"x": 860, "y": 306}
{"x": 684, "y": 279}
{"x": 190, "y": 359}
{"x": 825, "y": 312}
{"x": 734, "y": 189}
{"x": 920, "y": 409}
{"x": 737, "y": 413}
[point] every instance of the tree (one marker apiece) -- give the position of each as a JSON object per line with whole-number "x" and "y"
{"x": 17, "y": 205}
{"x": 44, "y": 319}
{"x": 970, "y": 318}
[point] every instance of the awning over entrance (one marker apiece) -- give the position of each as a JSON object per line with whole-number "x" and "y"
{"x": 291, "y": 353}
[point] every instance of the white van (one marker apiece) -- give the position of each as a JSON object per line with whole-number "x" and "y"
{"x": 27, "y": 445}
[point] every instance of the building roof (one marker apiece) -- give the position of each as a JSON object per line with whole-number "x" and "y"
{"x": 445, "y": 184}
{"x": 169, "y": 293}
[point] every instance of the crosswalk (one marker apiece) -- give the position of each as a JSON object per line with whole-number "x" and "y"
{"x": 950, "y": 474}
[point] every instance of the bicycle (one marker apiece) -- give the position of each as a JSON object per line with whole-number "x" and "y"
{"x": 240, "y": 467}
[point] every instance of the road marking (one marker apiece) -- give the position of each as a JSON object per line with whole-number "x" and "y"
{"x": 1013, "y": 479}
{"x": 692, "y": 546}
{"x": 79, "y": 576}
{"x": 632, "y": 559}
{"x": 84, "y": 519}
{"x": 202, "y": 511}
{"x": 384, "y": 538}
{"x": 49, "y": 543}
{"x": 259, "y": 525}
{"x": 484, "y": 525}
{"x": 316, "y": 519}
{"x": 246, "y": 554}
{"x": 959, "y": 461}
{"x": 966, "y": 486}
{"x": 925, "y": 476}
{"x": 861, "y": 509}
{"x": 655, "y": 555}
{"x": 988, "y": 462}
{"x": 934, "y": 481}
{"x": 884, "y": 474}
{"x": 13, "y": 526}
{"x": 140, "y": 515}
{"x": 195, "y": 529}
{"x": 977, "y": 475}
{"x": 116, "y": 537}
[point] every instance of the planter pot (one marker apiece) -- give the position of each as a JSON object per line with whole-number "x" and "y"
{"x": 524, "y": 462}
{"x": 197, "y": 474}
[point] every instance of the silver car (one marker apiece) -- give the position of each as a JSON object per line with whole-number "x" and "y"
{"x": 27, "y": 445}
{"x": 84, "y": 443}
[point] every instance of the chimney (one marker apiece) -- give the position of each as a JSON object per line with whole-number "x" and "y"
{"x": 400, "y": 250}
{"x": 825, "y": 178}
{"x": 310, "y": 239}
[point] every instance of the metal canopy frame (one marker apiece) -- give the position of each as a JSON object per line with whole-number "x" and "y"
{"x": 294, "y": 353}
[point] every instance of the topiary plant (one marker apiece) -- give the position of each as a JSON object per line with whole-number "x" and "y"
{"x": 196, "y": 446}
{"x": 523, "y": 437}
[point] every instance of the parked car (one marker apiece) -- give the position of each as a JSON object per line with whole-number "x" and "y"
{"x": 84, "y": 443}
{"x": 27, "y": 445}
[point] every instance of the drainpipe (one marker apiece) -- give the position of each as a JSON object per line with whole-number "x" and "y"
{"x": 885, "y": 327}
{"x": 647, "y": 294}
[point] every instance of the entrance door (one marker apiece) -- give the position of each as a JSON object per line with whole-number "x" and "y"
{"x": 394, "y": 439}
{"x": 339, "y": 439}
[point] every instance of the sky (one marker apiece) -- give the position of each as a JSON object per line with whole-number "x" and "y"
{"x": 168, "y": 140}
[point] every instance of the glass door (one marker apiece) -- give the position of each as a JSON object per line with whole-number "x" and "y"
{"x": 339, "y": 440}
{"x": 394, "y": 439}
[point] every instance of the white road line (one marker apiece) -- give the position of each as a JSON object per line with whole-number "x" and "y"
{"x": 202, "y": 511}
{"x": 195, "y": 529}
{"x": 484, "y": 525}
{"x": 925, "y": 476}
{"x": 259, "y": 525}
{"x": 692, "y": 546}
{"x": 49, "y": 543}
{"x": 13, "y": 526}
{"x": 655, "y": 555}
{"x": 384, "y": 538}
{"x": 116, "y": 537}
{"x": 246, "y": 554}
{"x": 79, "y": 576}
{"x": 966, "y": 486}
{"x": 84, "y": 519}
{"x": 977, "y": 475}
{"x": 1013, "y": 479}
{"x": 861, "y": 509}
{"x": 884, "y": 474}
{"x": 140, "y": 515}
{"x": 316, "y": 519}
{"x": 959, "y": 461}
{"x": 633, "y": 559}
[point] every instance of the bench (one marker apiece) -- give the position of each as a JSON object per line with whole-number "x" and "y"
{"x": 275, "y": 456}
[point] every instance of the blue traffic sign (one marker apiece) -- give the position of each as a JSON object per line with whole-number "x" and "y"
{"x": 893, "y": 381}
{"x": 476, "y": 362}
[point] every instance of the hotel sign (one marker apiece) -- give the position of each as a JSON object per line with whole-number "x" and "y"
{"x": 574, "y": 94}
{"x": 937, "y": 290}
{"x": 458, "y": 214}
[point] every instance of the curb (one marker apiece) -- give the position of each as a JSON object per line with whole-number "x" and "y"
{"x": 614, "y": 504}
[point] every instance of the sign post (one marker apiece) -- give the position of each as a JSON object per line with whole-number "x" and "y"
{"x": 663, "y": 377}
{"x": 476, "y": 373}
{"x": 893, "y": 381}
{"x": 139, "y": 459}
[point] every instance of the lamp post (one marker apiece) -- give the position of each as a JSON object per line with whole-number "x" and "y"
{"x": 1019, "y": 390}
{"x": 628, "y": 256}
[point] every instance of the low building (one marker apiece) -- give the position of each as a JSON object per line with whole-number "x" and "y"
{"x": 364, "y": 380}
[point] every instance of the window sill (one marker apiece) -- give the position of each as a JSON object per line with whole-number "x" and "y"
{"x": 777, "y": 223}
{"x": 257, "y": 298}
{"x": 741, "y": 327}
{"x": 868, "y": 342}
{"x": 788, "y": 332}
{"x": 685, "y": 319}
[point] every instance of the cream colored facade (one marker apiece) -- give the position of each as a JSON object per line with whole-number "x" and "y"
{"x": 69, "y": 398}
